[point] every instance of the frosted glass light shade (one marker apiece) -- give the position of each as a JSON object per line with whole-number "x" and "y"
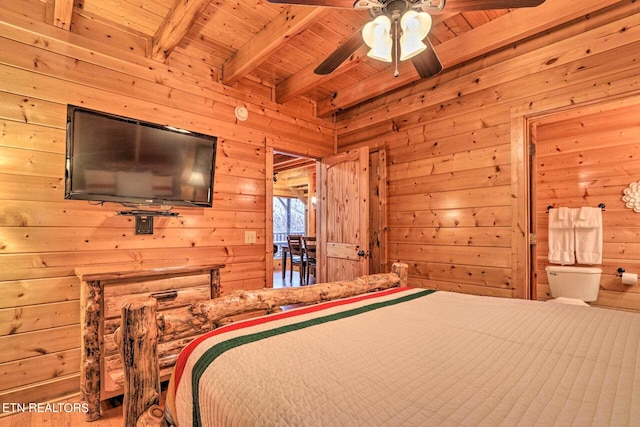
{"x": 415, "y": 27}
{"x": 376, "y": 34}
{"x": 416, "y": 22}
{"x": 410, "y": 46}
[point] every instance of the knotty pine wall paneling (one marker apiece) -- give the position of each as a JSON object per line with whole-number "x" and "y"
{"x": 43, "y": 237}
{"x": 457, "y": 194}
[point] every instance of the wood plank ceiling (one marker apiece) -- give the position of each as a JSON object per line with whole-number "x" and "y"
{"x": 274, "y": 45}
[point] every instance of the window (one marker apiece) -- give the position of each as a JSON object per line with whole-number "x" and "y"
{"x": 289, "y": 217}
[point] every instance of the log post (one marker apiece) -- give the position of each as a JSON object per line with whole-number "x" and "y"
{"x": 153, "y": 417}
{"x": 91, "y": 346}
{"x": 402, "y": 270}
{"x": 215, "y": 283}
{"x": 139, "y": 351}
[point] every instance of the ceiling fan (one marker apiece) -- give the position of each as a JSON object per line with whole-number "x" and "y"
{"x": 399, "y": 29}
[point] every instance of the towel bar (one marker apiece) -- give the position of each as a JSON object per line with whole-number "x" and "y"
{"x": 601, "y": 206}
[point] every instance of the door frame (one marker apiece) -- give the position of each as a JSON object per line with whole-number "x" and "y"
{"x": 313, "y": 210}
{"x": 379, "y": 258}
{"x": 311, "y": 223}
{"x": 269, "y": 217}
{"x": 524, "y": 119}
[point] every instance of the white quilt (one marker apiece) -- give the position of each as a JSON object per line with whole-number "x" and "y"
{"x": 413, "y": 358}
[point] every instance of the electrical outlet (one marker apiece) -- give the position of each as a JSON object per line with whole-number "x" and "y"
{"x": 249, "y": 236}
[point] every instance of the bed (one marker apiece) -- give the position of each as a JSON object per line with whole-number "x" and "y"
{"x": 404, "y": 356}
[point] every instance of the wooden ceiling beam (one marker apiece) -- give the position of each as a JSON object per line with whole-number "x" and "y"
{"x": 62, "y": 14}
{"x": 506, "y": 29}
{"x": 305, "y": 80}
{"x": 294, "y": 163}
{"x": 291, "y": 21}
{"x": 175, "y": 26}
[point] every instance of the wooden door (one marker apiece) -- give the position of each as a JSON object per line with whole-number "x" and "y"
{"x": 343, "y": 216}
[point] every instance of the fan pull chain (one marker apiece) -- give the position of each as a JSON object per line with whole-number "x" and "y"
{"x": 396, "y": 73}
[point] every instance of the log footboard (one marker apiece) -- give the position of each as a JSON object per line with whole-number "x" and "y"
{"x": 137, "y": 338}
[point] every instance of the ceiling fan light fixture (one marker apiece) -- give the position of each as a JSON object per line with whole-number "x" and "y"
{"x": 377, "y": 35}
{"x": 417, "y": 24}
{"x": 415, "y": 27}
{"x": 410, "y": 46}
{"x": 382, "y": 51}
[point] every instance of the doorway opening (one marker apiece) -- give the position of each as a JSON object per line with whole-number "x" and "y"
{"x": 293, "y": 204}
{"x": 583, "y": 157}
{"x": 295, "y": 190}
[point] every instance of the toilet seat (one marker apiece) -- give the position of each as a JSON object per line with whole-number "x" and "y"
{"x": 569, "y": 301}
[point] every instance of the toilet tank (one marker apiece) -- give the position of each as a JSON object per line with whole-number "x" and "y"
{"x": 581, "y": 283}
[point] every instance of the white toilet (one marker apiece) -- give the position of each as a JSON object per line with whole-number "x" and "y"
{"x": 573, "y": 285}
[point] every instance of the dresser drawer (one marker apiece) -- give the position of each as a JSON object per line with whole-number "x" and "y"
{"x": 172, "y": 298}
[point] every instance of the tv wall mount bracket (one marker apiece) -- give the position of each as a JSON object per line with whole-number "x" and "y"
{"x": 144, "y": 219}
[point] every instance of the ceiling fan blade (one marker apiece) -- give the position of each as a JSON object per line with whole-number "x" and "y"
{"x": 339, "y": 55}
{"x": 427, "y": 63}
{"x": 464, "y": 5}
{"x": 348, "y": 4}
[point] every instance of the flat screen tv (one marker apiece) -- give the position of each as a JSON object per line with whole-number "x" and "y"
{"x": 117, "y": 159}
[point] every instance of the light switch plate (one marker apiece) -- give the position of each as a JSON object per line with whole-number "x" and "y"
{"x": 249, "y": 236}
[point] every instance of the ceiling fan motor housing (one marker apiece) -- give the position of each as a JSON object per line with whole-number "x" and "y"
{"x": 395, "y": 8}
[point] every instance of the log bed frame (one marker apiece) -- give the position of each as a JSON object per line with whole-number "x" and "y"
{"x": 141, "y": 327}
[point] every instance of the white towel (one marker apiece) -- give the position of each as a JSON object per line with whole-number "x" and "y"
{"x": 561, "y": 236}
{"x": 588, "y": 231}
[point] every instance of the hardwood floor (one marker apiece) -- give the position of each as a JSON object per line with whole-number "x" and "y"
{"x": 111, "y": 415}
{"x": 278, "y": 282}
{"x": 288, "y": 281}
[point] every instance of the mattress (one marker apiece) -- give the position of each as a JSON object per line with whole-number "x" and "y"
{"x": 415, "y": 357}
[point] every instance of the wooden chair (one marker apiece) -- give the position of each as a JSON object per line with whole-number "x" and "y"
{"x": 296, "y": 250}
{"x": 309, "y": 244}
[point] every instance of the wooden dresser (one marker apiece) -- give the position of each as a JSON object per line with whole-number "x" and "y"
{"x": 103, "y": 291}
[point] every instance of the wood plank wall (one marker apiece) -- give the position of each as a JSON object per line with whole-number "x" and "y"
{"x": 457, "y": 195}
{"x": 44, "y": 237}
{"x": 583, "y": 158}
